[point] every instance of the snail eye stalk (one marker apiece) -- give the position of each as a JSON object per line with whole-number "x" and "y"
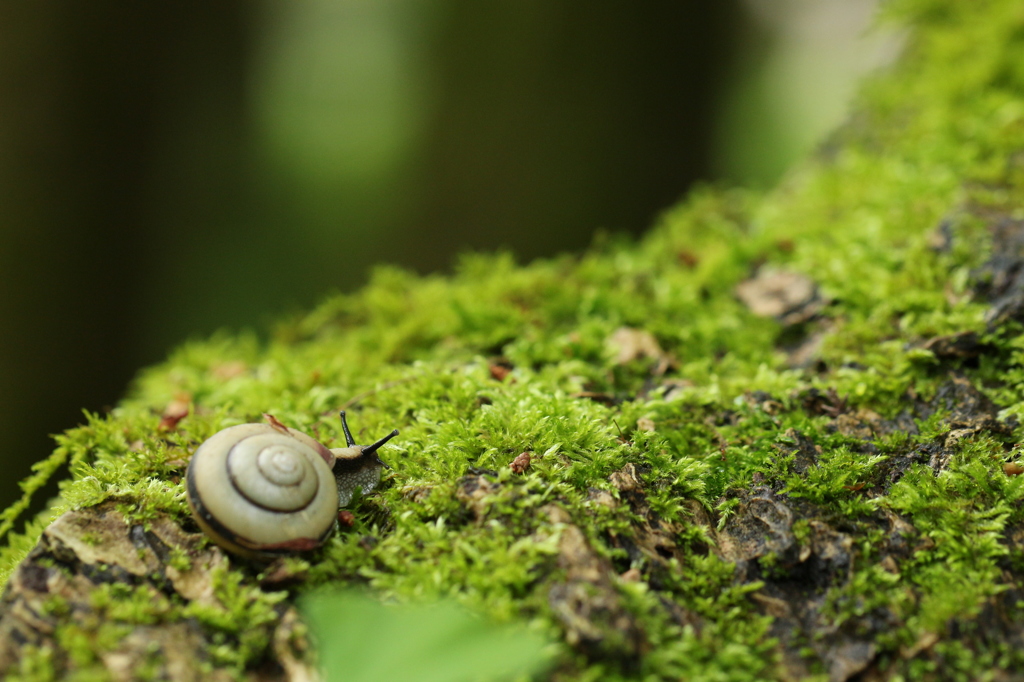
{"x": 349, "y": 440}
{"x": 370, "y": 449}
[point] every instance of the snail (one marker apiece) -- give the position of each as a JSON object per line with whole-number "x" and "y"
{"x": 263, "y": 490}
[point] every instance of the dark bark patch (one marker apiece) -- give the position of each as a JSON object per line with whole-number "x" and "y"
{"x": 803, "y": 450}
{"x": 586, "y": 602}
{"x": 798, "y": 556}
{"x": 474, "y": 491}
{"x": 762, "y": 526}
{"x": 961, "y": 346}
{"x": 896, "y": 465}
{"x": 762, "y": 539}
{"x": 968, "y": 407}
{"x": 651, "y": 540}
{"x": 35, "y": 578}
{"x": 970, "y": 412}
{"x": 1000, "y": 280}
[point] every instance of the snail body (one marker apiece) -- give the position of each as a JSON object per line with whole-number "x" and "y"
{"x": 263, "y": 490}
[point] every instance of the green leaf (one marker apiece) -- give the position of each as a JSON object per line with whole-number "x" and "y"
{"x": 364, "y": 640}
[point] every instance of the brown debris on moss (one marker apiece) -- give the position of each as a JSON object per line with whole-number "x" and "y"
{"x": 789, "y": 297}
{"x": 521, "y": 463}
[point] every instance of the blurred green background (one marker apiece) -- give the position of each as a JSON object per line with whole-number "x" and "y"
{"x": 168, "y": 170}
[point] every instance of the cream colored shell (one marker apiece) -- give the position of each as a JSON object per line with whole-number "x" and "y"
{"x": 266, "y": 487}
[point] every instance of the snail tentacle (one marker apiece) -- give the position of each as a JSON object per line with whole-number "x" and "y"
{"x": 349, "y": 440}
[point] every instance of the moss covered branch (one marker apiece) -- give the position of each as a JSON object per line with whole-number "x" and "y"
{"x": 774, "y": 439}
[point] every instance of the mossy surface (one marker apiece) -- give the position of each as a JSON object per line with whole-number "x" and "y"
{"x": 712, "y": 494}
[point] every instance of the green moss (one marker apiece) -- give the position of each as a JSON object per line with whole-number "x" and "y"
{"x": 242, "y": 620}
{"x": 936, "y": 139}
{"x": 36, "y": 664}
{"x": 141, "y": 605}
{"x": 179, "y": 560}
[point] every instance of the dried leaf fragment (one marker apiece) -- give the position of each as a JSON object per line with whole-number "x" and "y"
{"x": 229, "y": 370}
{"x": 597, "y": 397}
{"x": 275, "y": 422}
{"x": 635, "y": 344}
{"x": 626, "y": 479}
{"x": 521, "y": 463}
{"x": 848, "y": 659}
{"x": 789, "y": 297}
{"x": 688, "y": 258}
{"x": 499, "y": 369}
{"x": 175, "y": 411}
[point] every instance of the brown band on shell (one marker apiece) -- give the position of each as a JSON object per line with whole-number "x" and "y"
{"x": 291, "y": 546}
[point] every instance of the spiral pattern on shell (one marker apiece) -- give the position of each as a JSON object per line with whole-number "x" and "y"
{"x": 257, "y": 489}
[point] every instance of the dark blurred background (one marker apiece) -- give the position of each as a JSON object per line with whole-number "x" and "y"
{"x": 168, "y": 170}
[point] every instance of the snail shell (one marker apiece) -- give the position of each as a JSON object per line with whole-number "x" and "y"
{"x": 262, "y": 490}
